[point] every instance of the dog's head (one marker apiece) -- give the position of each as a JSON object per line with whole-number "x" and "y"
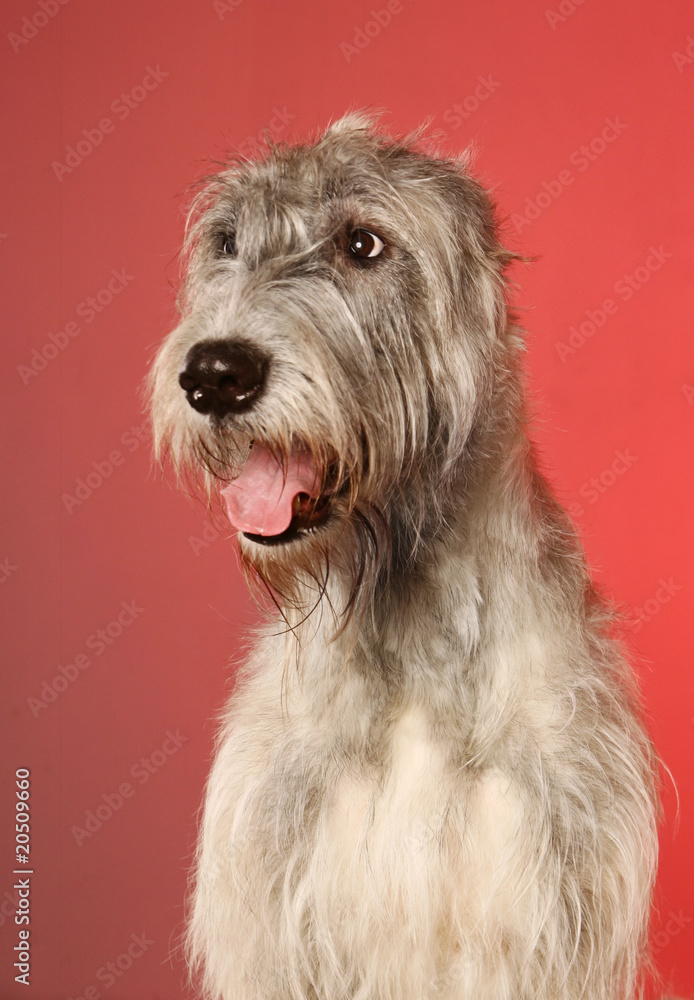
{"x": 343, "y": 324}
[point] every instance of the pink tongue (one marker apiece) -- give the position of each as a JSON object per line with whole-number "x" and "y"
{"x": 260, "y": 499}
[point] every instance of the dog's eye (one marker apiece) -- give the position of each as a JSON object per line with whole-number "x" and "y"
{"x": 228, "y": 246}
{"x": 364, "y": 244}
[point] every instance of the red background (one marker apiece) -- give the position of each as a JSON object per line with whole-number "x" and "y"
{"x": 229, "y": 69}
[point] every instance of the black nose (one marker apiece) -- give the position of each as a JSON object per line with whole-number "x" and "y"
{"x": 222, "y": 377}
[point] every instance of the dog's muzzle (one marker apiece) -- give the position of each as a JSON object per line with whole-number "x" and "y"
{"x": 220, "y": 377}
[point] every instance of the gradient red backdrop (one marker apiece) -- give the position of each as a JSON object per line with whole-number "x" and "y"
{"x": 121, "y": 603}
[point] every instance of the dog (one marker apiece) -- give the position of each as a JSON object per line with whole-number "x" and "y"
{"x": 432, "y": 779}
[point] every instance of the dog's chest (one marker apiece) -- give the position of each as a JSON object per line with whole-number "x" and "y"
{"x": 422, "y": 814}
{"x": 413, "y": 851}
{"x": 397, "y": 807}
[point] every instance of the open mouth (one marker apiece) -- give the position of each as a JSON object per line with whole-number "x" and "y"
{"x": 272, "y": 502}
{"x": 308, "y": 514}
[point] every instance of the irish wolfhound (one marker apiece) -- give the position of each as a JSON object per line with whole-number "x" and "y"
{"x": 432, "y": 781}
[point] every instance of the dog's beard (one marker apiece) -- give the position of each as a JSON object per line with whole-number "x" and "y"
{"x": 307, "y": 535}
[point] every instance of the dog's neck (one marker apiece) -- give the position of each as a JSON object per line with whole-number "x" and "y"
{"x": 504, "y": 535}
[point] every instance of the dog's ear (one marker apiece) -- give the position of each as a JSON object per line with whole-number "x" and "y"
{"x": 477, "y": 221}
{"x": 366, "y": 123}
{"x": 357, "y": 122}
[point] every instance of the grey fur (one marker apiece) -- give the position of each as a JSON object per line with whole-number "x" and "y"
{"x": 432, "y": 781}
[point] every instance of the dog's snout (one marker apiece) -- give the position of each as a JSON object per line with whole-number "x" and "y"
{"x": 222, "y": 377}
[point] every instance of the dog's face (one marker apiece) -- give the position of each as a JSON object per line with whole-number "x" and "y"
{"x": 341, "y": 313}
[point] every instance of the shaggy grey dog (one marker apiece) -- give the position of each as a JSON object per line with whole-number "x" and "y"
{"x": 432, "y": 780}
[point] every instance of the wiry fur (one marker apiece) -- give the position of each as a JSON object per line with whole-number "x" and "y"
{"x": 449, "y": 793}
